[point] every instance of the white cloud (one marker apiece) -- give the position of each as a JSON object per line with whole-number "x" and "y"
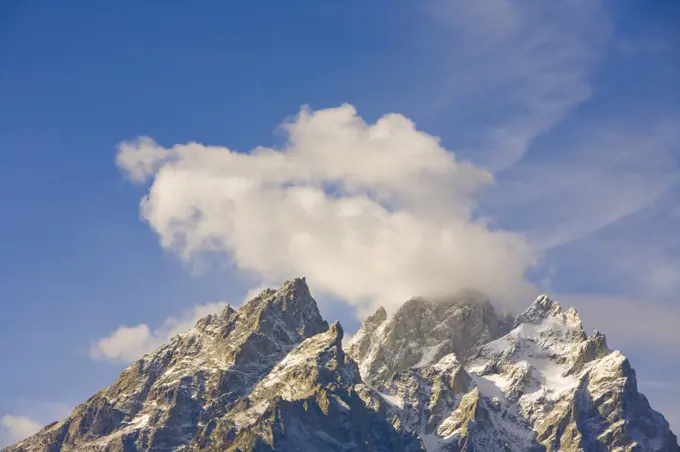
{"x": 370, "y": 213}
{"x": 142, "y": 161}
{"x": 129, "y": 343}
{"x": 600, "y": 207}
{"x": 17, "y": 428}
{"x": 511, "y": 70}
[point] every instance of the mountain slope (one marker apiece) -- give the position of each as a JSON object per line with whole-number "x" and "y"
{"x": 421, "y": 332}
{"x": 166, "y": 398}
{"x": 445, "y": 375}
{"x": 544, "y": 385}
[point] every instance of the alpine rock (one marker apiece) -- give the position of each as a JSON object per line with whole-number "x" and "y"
{"x": 436, "y": 376}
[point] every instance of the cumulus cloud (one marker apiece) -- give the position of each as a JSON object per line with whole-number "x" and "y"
{"x": 17, "y": 428}
{"x": 370, "y": 213}
{"x": 129, "y": 343}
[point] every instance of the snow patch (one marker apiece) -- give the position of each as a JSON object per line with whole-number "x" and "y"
{"x": 392, "y": 400}
{"x": 429, "y": 354}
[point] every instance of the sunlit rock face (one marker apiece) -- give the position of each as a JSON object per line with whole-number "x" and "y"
{"x": 544, "y": 385}
{"x": 437, "y": 375}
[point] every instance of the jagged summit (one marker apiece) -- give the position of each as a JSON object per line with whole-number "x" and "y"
{"x": 544, "y": 385}
{"x": 438, "y": 375}
{"x": 289, "y": 309}
{"x": 544, "y": 307}
{"x": 420, "y": 332}
{"x": 379, "y": 316}
{"x": 170, "y": 396}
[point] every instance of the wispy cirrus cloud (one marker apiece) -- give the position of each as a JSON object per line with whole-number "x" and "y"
{"x": 591, "y": 188}
{"x": 512, "y": 71}
{"x": 509, "y": 71}
{"x": 592, "y": 179}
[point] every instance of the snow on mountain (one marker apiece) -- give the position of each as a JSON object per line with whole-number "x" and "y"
{"x": 436, "y": 376}
{"x": 544, "y": 385}
{"x": 421, "y": 332}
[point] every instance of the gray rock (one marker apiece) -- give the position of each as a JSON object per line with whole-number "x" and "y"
{"x": 439, "y": 375}
{"x": 421, "y": 332}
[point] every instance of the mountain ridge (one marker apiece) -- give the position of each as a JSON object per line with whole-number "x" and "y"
{"x": 449, "y": 375}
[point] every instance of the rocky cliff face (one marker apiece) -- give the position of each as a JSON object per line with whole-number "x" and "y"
{"x": 445, "y": 375}
{"x": 544, "y": 385}
{"x": 421, "y": 332}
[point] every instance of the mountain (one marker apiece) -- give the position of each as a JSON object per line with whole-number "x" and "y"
{"x": 544, "y": 385}
{"x": 438, "y": 375}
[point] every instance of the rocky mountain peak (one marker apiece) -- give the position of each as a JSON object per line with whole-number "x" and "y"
{"x": 545, "y": 308}
{"x": 543, "y": 385}
{"x": 336, "y": 330}
{"x": 542, "y": 307}
{"x": 439, "y": 375}
{"x": 167, "y": 396}
{"x": 375, "y": 319}
{"x": 291, "y": 307}
{"x": 422, "y": 331}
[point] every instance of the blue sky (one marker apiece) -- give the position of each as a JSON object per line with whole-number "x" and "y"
{"x": 574, "y": 114}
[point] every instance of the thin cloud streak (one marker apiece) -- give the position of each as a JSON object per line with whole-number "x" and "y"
{"x": 512, "y": 70}
{"x": 596, "y": 179}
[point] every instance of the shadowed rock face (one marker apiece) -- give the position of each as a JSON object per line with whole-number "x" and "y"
{"x": 445, "y": 375}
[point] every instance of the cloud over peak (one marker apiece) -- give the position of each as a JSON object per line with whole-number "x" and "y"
{"x": 371, "y": 213}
